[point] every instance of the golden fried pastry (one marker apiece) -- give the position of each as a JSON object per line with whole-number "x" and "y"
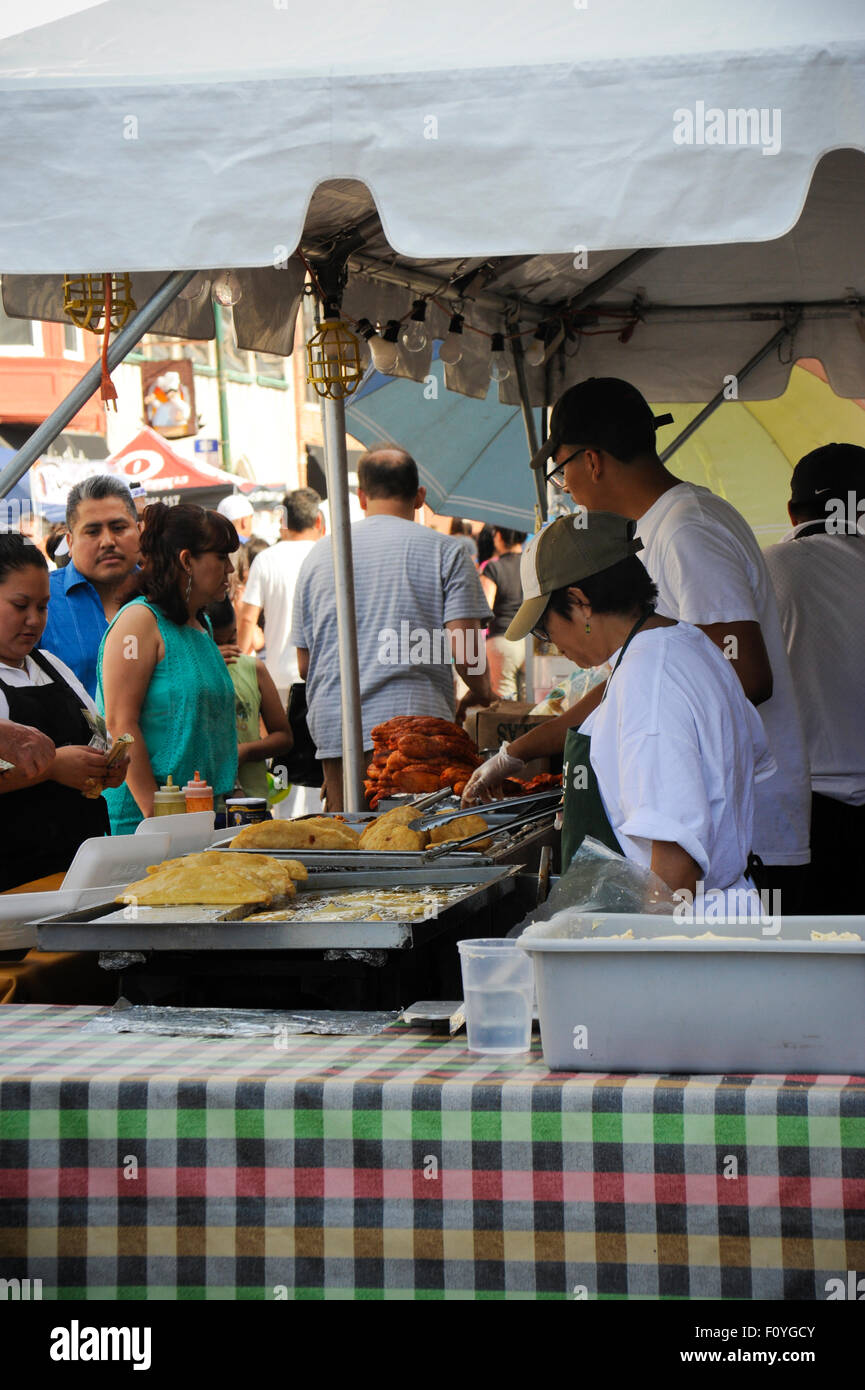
{"x": 316, "y": 832}
{"x": 216, "y": 878}
{"x": 390, "y": 832}
{"x": 178, "y": 882}
{"x": 271, "y": 872}
{"x": 460, "y": 830}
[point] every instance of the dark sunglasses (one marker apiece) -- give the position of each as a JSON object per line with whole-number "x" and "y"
{"x": 559, "y": 481}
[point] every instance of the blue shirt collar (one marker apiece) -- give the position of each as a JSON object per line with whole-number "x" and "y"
{"x": 73, "y": 577}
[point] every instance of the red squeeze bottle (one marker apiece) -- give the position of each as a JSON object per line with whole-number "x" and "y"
{"x": 198, "y": 794}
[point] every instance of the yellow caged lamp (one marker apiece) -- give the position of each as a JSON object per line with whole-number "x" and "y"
{"x": 99, "y": 304}
{"x": 334, "y": 368}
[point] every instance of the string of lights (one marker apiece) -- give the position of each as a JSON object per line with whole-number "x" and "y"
{"x": 410, "y": 333}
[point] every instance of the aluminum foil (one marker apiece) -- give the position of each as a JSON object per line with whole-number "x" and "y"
{"x": 120, "y": 960}
{"x": 373, "y": 957}
{"x": 166, "y": 1021}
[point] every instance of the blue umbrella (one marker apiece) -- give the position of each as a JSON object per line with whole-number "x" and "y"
{"x": 472, "y": 456}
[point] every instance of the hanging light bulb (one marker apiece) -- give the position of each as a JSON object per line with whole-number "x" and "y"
{"x": 384, "y": 348}
{"x": 451, "y": 349}
{"x": 364, "y": 331}
{"x": 537, "y": 347}
{"x": 197, "y": 287}
{"x": 414, "y": 335}
{"x": 499, "y": 368}
{"x": 226, "y": 289}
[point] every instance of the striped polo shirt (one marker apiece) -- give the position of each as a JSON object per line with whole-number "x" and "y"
{"x": 408, "y": 582}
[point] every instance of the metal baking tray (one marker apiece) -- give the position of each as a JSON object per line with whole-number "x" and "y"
{"x": 332, "y": 861}
{"x": 509, "y": 830}
{"x": 86, "y": 931}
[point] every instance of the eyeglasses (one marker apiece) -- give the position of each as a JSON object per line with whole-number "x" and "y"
{"x": 539, "y": 630}
{"x": 559, "y": 481}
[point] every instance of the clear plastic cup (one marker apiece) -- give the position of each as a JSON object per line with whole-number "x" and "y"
{"x": 498, "y": 985}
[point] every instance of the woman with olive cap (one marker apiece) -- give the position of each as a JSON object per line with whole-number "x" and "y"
{"x": 663, "y": 770}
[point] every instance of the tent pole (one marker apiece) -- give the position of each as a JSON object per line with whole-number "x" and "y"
{"x": 529, "y": 421}
{"x": 336, "y": 466}
{"x": 125, "y": 341}
{"x": 540, "y": 486}
{"x": 720, "y": 397}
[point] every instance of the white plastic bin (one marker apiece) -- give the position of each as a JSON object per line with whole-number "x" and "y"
{"x": 768, "y": 1004}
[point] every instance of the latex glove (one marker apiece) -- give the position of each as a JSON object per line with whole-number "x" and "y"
{"x": 486, "y": 780}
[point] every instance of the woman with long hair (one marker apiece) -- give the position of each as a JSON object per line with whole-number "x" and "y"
{"x": 46, "y": 815}
{"x": 161, "y": 675}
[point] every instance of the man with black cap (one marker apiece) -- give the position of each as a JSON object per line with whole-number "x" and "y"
{"x": 710, "y": 572}
{"x": 818, "y": 572}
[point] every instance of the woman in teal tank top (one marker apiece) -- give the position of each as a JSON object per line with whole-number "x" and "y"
{"x": 161, "y": 676}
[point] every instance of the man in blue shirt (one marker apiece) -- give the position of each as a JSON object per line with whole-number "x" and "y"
{"x": 103, "y": 538}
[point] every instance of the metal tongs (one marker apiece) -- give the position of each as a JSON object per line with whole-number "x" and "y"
{"x": 509, "y": 807}
{"x": 522, "y": 825}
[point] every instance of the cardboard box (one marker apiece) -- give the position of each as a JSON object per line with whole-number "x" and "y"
{"x": 503, "y": 722}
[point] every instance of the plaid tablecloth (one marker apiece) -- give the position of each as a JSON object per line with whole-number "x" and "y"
{"x": 400, "y": 1166}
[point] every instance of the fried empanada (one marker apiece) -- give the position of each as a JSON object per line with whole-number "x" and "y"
{"x": 316, "y": 832}
{"x": 391, "y": 833}
{"x": 460, "y": 830}
{"x": 177, "y": 882}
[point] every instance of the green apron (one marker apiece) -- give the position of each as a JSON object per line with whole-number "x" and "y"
{"x": 583, "y": 811}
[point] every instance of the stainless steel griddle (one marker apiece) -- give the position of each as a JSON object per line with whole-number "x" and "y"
{"x": 111, "y": 927}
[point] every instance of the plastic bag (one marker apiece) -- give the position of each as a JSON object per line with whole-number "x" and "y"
{"x": 598, "y": 880}
{"x": 568, "y": 691}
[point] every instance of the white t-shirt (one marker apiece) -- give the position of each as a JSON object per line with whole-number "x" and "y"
{"x": 31, "y": 675}
{"x": 676, "y": 748}
{"x": 409, "y": 581}
{"x": 819, "y": 583}
{"x": 708, "y": 567}
{"x": 270, "y": 585}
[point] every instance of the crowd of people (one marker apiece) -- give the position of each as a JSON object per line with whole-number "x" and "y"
{"x": 726, "y": 748}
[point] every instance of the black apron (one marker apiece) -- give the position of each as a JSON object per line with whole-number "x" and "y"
{"x": 44, "y": 825}
{"x": 583, "y": 812}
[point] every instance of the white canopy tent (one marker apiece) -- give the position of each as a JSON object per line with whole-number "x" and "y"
{"x": 682, "y": 190}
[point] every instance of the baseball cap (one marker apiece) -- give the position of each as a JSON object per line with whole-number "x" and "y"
{"x": 606, "y": 412}
{"x": 832, "y": 470}
{"x": 568, "y": 550}
{"x": 235, "y": 506}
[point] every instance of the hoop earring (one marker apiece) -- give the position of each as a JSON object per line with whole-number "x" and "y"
{"x": 188, "y": 590}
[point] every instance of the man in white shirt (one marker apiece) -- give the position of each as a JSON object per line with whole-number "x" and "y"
{"x": 240, "y": 512}
{"x": 710, "y": 572}
{"x": 414, "y": 588}
{"x": 818, "y": 573}
{"x": 271, "y": 584}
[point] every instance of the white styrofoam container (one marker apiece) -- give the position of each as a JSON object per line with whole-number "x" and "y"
{"x": 114, "y": 859}
{"x": 776, "y": 1004}
{"x": 19, "y": 912}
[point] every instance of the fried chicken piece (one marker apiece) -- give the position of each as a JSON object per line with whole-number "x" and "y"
{"x": 426, "y": 748}
{"x": 396, "y": 762}
{"x": 454, "y": 772}
{"x": 417, "y": 778}
{"x": 382, "y": 733}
